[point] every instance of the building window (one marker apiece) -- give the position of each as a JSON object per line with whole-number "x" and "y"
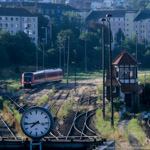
{"x": 33, "y": 19}
{"x": 11, "y": 19}
{"x": 16, "y": 25}
{"x": 6, "y": 18}
{"x": 47, "y": 11}
{"x": 16, "y": 19}
{"x": 127, "y": 73}
{"x": 0, "y": 18}
{"x": 33, "y": 25}
{"x": 11, "y": 31}
{"x": 33, "y": 32}
{"x": 6, "y": 25}
{"x": 12, "y": 25}
{"x": 0, "y": 25}
{"x": 22, "y": 19}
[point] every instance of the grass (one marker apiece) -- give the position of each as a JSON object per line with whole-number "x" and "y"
{"x": 83, "y": 76}
{"x": 14, "y": 86}
{"x": 104, "y": 126}
{"x": 7, "y": 105}
{"x": 43, "y": 100}
{"x": 68, "y": 105}
{"x": 135, "y": 129}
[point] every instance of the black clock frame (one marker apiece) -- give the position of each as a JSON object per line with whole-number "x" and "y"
{"x": 43, "y": 109}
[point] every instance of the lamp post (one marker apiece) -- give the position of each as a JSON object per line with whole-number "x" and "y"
{"x": 59, "y": 55}
{"x": 64, "y": 55}
{"x": 75, "y": 69}
{"x": 136, "y": 47}
{"x": 110, "y": 67}
{"x": 68, "y": 59}
{"x": 43, "y": 54}
{"x": 37, "y": 58}
{"x": 85, "y": 55}
{"x": 103, "y": 64}
{"x": 45, "y": 34}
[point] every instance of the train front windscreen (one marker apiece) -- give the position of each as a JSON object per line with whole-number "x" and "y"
{"x": 27, "y": 77}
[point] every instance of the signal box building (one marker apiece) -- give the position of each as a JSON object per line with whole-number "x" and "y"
{"x": 124, "y": 79}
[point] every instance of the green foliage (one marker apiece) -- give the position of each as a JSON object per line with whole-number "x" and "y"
{"x": 105, "y": 129}
{"x": 138, "y": 4}
{"x": 43, "y": 100}
{"x": 11, "y": 109}
{"x": 118, "y": 104}
{"x": 136, "y": 130}
{"x": 14, "y": 86}
{"x": 1, "y": 98}
{"x": 99, "y": 88}
{"x": 16, "y": 49}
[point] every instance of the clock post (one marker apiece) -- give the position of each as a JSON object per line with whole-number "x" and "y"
{"x": 36, "y": 122}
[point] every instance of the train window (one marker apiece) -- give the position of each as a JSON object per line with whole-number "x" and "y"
{"x": 27, "y": 77}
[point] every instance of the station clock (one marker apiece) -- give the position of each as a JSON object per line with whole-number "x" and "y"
{"x": 36, "y": 122}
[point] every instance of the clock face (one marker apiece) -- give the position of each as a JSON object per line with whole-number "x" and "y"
{"x": 36, "y": 122}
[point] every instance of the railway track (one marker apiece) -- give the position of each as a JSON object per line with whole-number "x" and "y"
{"x": 5, "y": 130}
{"x": 80, "y": 125}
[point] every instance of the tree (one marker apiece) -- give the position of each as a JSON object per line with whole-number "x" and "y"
{"x": 17, "y": 49}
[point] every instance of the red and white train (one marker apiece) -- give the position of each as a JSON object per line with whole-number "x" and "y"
{"x": 30, "y": 79}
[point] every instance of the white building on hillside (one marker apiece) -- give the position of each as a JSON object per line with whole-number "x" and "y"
{"x": 18, "y": 19}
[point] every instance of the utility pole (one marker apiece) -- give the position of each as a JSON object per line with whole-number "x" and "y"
{"x": 136, "y": 47}
{"x": 68, "y": 59}
{"x": 103, "y": 64}
{"x": 43, "y": 55}
{"x": 85, "y": 55}
{"x": 37, "y": 58}
{"x": 59, "y": 55}
{"x": 64, "y": 55}
{"x": 75, "y": 69}
{"x": 110, "y": 67}
{"x": 45, "y": 34}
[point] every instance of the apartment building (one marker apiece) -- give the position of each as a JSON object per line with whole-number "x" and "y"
{"x": 131, "y": 22}
{"x": 117, "y": 20}
{"x": 18, "y": 19}
{"x": 142, "y": 25}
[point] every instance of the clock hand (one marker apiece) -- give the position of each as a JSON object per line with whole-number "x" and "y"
{"x": 26, "y": 123}
{"x": 37, "y": 122}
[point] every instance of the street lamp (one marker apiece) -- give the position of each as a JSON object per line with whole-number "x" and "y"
{"x": 85, "y": 55}
{"x": 103, "y": 64}
{"x": 75, "y": 69}
{"x": 68, "y": 59}
{"x": 43, "y": 54}
{"x": 59, "y": 55}
{"x": 64, "y": 55}
{"x": 108, "y": 16}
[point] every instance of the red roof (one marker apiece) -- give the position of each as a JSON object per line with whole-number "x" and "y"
{"x": 124, "y": 58}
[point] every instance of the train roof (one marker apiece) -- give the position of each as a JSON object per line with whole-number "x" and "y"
{"x": 47, "y": 70}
